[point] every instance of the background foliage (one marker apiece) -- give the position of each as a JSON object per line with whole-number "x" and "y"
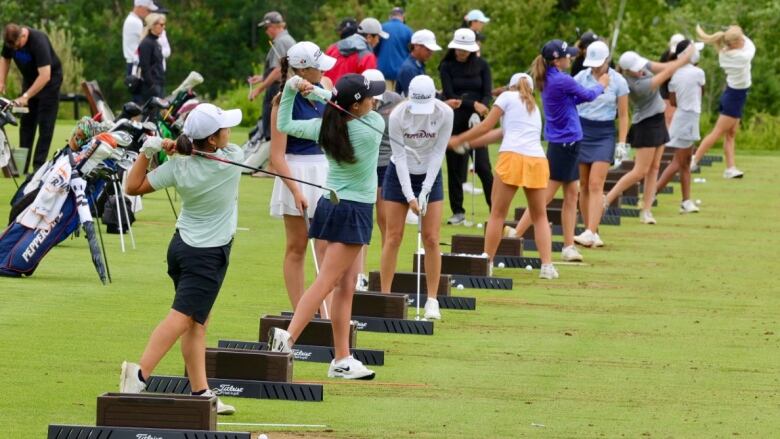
{"x": 219, "y": 37}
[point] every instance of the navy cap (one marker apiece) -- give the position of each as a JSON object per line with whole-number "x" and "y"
{"x": 347, "y": 27}
{"x": 555, "y": 49}
{"x": 587, "y": 38}
{"x": 352, "y": 88}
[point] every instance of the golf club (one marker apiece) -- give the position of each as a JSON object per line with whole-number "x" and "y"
{"x": 419, "y": 265}
{"x": 325, "y": 313}
{"x": 334, "y": 198}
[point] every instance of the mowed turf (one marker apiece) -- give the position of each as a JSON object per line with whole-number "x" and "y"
{"x": 668, "y": 331}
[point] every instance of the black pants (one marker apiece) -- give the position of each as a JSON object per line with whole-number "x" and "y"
{"x": 42, "y": 116}
{"x": 135, "y": 97}
{"x": 457, "y": 174}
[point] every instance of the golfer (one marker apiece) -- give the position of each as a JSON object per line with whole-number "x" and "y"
{"x": 425, "y": 124}
{"x": 351, "y": 149}
{"x": 648, "y": 133}
{"x": 521, "y": 163}
{"x": 685, "y": 91}
{"x": 597, "y": 148}
{"x": 199, "y": 252}
{"x": 299, "y": 158}
{"x": 563, "y": 132}
{"x": 735, "y": 54}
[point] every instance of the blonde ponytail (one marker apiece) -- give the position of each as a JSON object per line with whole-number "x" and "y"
{"x": 720, "y": 39}
{"x": 526, "y": 94}
{"x": 539, "y": 71}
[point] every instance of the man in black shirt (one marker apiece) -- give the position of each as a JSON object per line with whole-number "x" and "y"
{"x": 41, "y": 79}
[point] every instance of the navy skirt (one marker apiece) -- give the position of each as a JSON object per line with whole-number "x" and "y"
{"x": 349, "y": 222}
{"x": 380, "y": 174}
{"x": 391, "y": 188}
{"x": 598, "y": 141}
{"x": 732, "y": 102}
{"x": 562, "y": 157}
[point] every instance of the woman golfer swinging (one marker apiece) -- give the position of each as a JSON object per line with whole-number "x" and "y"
{"x": 352, "y": 150}
{"x": 199, "y": 251}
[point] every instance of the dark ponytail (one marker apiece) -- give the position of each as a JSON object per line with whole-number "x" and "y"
{"x": 185, "y": 146}
{"x": 284, "y": 67}
{"x": 334, "y": 136}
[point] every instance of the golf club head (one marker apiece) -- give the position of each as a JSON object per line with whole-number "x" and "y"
{"x": 122, "y": 138}
{"x": 334, "y": 197}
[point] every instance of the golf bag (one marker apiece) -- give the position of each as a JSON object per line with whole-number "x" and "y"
{"x": 256, "y": 150}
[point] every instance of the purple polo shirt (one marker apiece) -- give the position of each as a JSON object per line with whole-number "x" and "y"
{"x": 560, "y": 97}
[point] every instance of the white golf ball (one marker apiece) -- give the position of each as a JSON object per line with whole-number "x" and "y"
{"x": 501, "y": 265}
{"x": 460, "y": 286}
{"x": 698, "y": 202}
{"x": 262, "y": 436}
{"x": 479, "y": 225}
{"x": 529, "y": 268}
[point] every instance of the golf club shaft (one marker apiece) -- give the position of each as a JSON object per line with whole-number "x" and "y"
{"x": 230, "y": 162}
{"x": 419, "y": 265}
{"x": 324, "y": 306}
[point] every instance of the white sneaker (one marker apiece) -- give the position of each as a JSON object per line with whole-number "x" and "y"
{"x": 470, "y": 189}
{"x": 688, "y": 206}
{"x": 586, "y": 238}
{"x": 432, "y": 310}
{"x": 694, "y": 165}
{"x": 351, "y": 369}
{"x": 128, "y": 379}
{"x": 222, "y": 408}
{"x": 571, "y": 254}
{"x": 362, "y": 282}
{"x": 279, "y": 340}
{"x": 732, "y": 173}
{"x": 646, "y": 217}
{"x": 597, "y": 242}
{"x": 510, "y": 232}
{"x": 548, "y": 272}
{"x": 411, "y": 218}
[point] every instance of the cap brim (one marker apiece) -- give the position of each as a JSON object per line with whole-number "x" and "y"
{"x": 152, "y": 7}
{"x": 230, "y": 118}
{"x": 594, "y": 62}
{"x": 467, "y": 47}
{"x": 326, "y": 63}
{"x": 639, "y": 65}
{"x": 376, "y": 88}
{"x": 572, "y": 51}
{"x": 384, "y": 35}
{"x": 432, "y": 46}
{"x": 422, "y": 108}
{"x": 699, "y": 46}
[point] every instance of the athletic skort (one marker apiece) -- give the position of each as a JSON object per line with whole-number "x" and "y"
{"x": 563, "y": 161}
{"x": 732, "y": 102}
{"x": 312, "y": 168}
{"x": 349, "y": 222}
{"x": 515, "y": 169}
{"x": 649, "y": 133}
{"x": 391, "y": 188}
{"x": 598, "y": 141}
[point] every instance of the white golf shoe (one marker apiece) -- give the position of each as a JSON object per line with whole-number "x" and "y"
{"x": 432, "y": 310}
{"x": 350, "y": 369}
{"x": 222, "y": 408}
{"x": 586, "y": 238}
{"x": 597, "y": 242}
{"x": 571, "y": 254}
{"x": 548, "y": 271}
{"x": 688, "y": 206}
{"x": 279, "y": 340}
{"x": 733, "y": 172}
{"x": 129, "y": 382}
{"x": 646, "y": 217}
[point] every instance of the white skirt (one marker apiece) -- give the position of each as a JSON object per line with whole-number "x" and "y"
{"x": 684, "y": 129}
{"x": 312, "y": 168}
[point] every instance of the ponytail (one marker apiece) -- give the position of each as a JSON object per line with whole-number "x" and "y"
{"x": 526, "y": 94}
{"x": 185, "y": 146}
{"x": 284, "y": 67}
{"x": 539, "y": 71}
{"x": 720, "y": 39}
{"x": 334, "y": 136}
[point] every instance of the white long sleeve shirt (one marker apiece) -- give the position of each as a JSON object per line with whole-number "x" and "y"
{"x": 131, "y": 36}
{"x": 166, "y": 48}
{"x": 426, "y": 134}
{"x": 736, "y": 64}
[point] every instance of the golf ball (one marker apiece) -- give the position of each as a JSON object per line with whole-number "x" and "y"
{"x": 529, "y": 268}
{"x": 479, "y": 225}
{"x": 262, "y": 436}
{"x": 698, "y": 202}
{"x": 460, "y": 286}
{"x": 501, "y": 265}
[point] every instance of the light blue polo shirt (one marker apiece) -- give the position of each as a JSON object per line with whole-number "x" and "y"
{"x": 604, "y": 107}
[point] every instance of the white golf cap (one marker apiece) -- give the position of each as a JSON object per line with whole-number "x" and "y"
{"x": 422, "y": 95}
{"x": 476, "y": 15}
{"x": 517, "y": 77}
{"x": 674, "y": 41}
{"x": 372, "y": 26}
{"x": 596, "y": 55}
{"x": 464, "y": 39}
{"x": 632, "y": 61}
{"x": 307, "y": 54}
{"x": 426, "y": 38}
{"x": 148, "y": 4}
{"x": 207, "y": 119}
{"x": 374, "y": 75}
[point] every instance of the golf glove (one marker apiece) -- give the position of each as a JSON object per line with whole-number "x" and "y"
{"x": 463, "y": 148}
{"x": 474, "y": 120}
{"x": 151, "y": 146}
{"x": 621, "y": 153}
{"x": 422, "y": 200}
{"x": 294, "y": 82}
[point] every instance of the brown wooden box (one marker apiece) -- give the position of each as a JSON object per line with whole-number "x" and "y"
{"x": 475, "y": 245}
{"x": 149, "y": 410}
{"x": 317, "y": 333}
{"x": 407, "y": 283}
{"x": 458, "y": 264}
{"x": 373, "y": 304}
{"x": 632, "y": 191}
{"x": 249, "y": 365}
{"x": 553, "y": 214}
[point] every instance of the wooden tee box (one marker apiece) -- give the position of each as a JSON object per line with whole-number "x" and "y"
{"x": 249, "y": 365}
{"x": 317, "y": 333}
{"x": 475, "y": 245}
{"x": 375, "y": 304}
{"x": 470, "y": 265}
{"x": 92, "y": 432}
{"x": 151, "y": 410}
{"x": 406, "y": 283}
{"x": 553, "y": 214}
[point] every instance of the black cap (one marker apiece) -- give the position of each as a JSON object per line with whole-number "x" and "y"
{"x": 555, "y": 49}
{"x": 272, "y": 17}
{"x": 587, "y": 38}
{"x": 352, "y": 88}
{"x": 161, "y": 9}
{"x": 347, "y": 27}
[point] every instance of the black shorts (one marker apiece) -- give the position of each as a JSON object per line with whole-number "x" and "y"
{"x": 649, "y": 133}
{"x": 197, "y": 274}
{"x": 562, "y": 158}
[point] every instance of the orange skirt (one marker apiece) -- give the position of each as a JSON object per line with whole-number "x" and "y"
{"x": 523, "y": 171}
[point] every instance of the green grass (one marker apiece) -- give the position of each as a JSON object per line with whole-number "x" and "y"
{"x": 670, "y": 331}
